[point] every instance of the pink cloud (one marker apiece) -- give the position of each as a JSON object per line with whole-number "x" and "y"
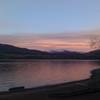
{"x": 46, "y": 42}
{"x": 52, "y": 41}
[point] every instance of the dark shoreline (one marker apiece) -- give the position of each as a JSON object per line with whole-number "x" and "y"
{"x": 51, "y": 91}
{"x": 48, "y": 90}
{"x": 87, "y": 89}
{"x": 69, "y": 91}
{"x": 75, "y": 90}
{"x": 22, "y": 60}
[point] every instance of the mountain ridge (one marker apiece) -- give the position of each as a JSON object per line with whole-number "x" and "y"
{"x": 12, "y": 52}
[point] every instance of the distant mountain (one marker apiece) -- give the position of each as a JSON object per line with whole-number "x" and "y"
{"x": 94, "y": 54}
{"x": 12, "y": 52}
{"x": 66, "y": 54}
{"x": 9, "y": 51}
{"x": 5, "y": 48}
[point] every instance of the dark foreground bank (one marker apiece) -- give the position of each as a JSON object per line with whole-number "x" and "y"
{"x": 88, "y": 89}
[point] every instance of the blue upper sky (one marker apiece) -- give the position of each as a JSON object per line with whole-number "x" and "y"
{"x": 46, "y": 16}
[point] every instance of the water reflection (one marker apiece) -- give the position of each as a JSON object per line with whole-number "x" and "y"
{"x": 43, "y": 72}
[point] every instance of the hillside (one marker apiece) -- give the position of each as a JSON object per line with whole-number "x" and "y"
{"x": 12, "y": 52}
{"x": 94, "y": 54}
{"x": 9, "y": 51}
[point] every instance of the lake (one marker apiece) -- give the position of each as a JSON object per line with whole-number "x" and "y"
{"x": 33, "y": 73}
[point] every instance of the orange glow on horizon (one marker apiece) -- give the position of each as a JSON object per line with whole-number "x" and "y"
{"x": 50, "y": 42}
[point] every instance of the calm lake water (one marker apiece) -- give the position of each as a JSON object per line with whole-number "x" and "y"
{"x": 32, "y": 73}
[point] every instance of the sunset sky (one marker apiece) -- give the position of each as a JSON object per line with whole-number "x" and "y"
{"x": 49, "y": 24}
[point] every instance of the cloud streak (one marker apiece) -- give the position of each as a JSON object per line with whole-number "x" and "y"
{"x": 54, "y": 41}
{"x": 47, "y": 42}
